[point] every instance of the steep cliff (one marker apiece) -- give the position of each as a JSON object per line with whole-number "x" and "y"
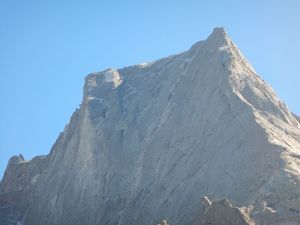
{"x": 148, "y": 141}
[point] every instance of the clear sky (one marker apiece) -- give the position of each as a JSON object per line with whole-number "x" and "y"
{"x": 48, "y": 47}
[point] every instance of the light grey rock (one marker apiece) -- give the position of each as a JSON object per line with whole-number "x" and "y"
{"x": 149, "y": 140}
{"x": 297, "y": 117}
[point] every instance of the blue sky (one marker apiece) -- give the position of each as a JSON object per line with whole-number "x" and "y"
{"x": 48, "y": 47}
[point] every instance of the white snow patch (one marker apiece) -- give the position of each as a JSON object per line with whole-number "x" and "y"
{"x": 224, "y": 48}
{"x": 144, "y": 64}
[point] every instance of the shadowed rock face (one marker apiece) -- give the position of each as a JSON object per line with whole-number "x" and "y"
{"x": 149, "y": 140}
{"x": 17, "y": 185}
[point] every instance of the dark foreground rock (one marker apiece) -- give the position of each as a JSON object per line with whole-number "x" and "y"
{"x": 221, "y": 212}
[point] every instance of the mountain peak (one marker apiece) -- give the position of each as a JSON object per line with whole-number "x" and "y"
{"x": 218, "y": 38}
{"x": 198, "y": 123}
{"x": 219, "y": 31}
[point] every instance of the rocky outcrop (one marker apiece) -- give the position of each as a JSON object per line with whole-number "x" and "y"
{"x": 19, "y": 182}
{"x": 149, "y": 140}
{"x": 163, "y": 222}
{"x": 222, "y": 212}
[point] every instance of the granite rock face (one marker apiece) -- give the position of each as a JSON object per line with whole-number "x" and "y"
{"x": 149, "y": 140}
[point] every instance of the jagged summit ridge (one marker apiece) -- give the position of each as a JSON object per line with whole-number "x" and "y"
{"x": 148, "y": 141}
{"x": 219, "y": 37}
